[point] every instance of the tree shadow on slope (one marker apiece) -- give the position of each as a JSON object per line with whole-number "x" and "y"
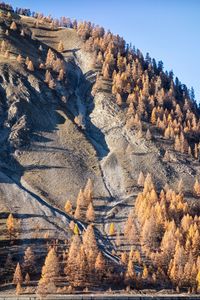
{"x": 73, "y": 51}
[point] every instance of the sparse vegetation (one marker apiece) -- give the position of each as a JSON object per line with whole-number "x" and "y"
{"x": 128, "y": 225}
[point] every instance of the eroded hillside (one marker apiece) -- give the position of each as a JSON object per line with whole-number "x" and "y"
{"x": 57, "y": 133}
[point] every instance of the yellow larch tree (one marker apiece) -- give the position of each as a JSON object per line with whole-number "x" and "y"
{"x": 30, "y": 66}
{"x": 197, "y": 188}
{"x": 11, "y": 225}
{"x": 19, "y": 58}
{"x": 90, "y": 213}
{"x": 130, "y": 275}
{"x": 18, "y": 290}
{"x": 13, "y": 26}
{"x": 50, "y": 273}
{"x": 153, "y": 116}
{"x": 112, "y": 229}
{"x": 68, "y": 207}
{"x": 60, "y": 47}
{"x": 18, "y": 278}
{"x": 90, "y": 244}
{"x": 88, "y": 192}
{"x": 29, "y": 260}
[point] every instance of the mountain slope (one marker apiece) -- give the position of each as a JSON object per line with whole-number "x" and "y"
{"x": 54, "y": 138}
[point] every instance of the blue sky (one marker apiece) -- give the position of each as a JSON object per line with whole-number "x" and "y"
{"x": 168, "y": 29}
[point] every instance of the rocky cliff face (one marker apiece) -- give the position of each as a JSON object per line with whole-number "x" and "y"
{"x": 45, "y": 157}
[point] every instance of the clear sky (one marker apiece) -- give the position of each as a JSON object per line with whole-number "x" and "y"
{"x": 168, "y": 29}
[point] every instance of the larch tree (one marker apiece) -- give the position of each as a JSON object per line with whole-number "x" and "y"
{"x": 119, "y": 99}
{"x": 196, "y": 151}
{"x": 131, "y": 110}
{"x": 150, "y": 232}
{"x": 71, "y": 225}
{"x": 80, "y": 205}
{"x": 177, "y": 264}
{"x": 124, "y": 258}
{"x": 132, "y": 235}
{"x": 48, "y": 76}
{"x": 80, "y": 121}
{"x": 11, "y": 225}
{"x": 82, "y": 275}
{"x": 167, "y": 132}
{"x": 188, "y": 269}
{"x": 80, "y": 201}
{"x": 100, "y": 265}
{"x": 148, "y": 135}
{"x": 9, "y": 15}
{"x": 78, "y": 212}
{"x": 72, "y": 265}
{"x": 68, "y": 207}
{"x": 167, "y": 156}
{"x": 29, "y": 260}
{"x": 186, "y": 221}
{"x": 137, "y": 257}
{"x": 128, "y": 224}
{"x": 112, "y": 229}
{"x": 41, "y": 66}
{"x": 3, "y": 46}
{"x": 18, "y": 290}
{"x": 7, "y": 54}
{"x": 153, "y": 116}
{"x": 52, "y": 84}
{"x": 27, "y": 60}
{"x": 27, "y": 279}
{"x": 61, "y": 75}
{"x": 50, "y": 273}
{"x": 148, "y": 184}
{"x": 145, "y": 273}
{"x": 99, "y": 58}
{"x": 189, "y": 151}
{"x": 88, "y": 192}
{"x": 18, "y": 278}
{"x": 50, "y": 59}
{"x": 106, "y": 72}
{"x": 197, "y": 188}
{"x": 198, "y": 281}
{"x": 76, "y": 229}
{"x": 177, "y": 143}
{"x": 19, "y": 58}
{"x": 90, "y": 244}
{"x": 60, "y": 47}
{"x": 90, "y": 213}
{"x": 13, "y": 26}
{"x": 130, "y": 275}
{"x": 30, "y": 66}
